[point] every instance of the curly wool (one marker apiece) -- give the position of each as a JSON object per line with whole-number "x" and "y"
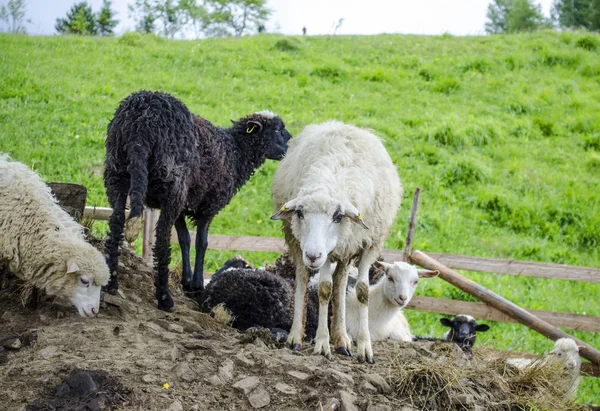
{"x": 254, "y": 297}
{"x": 160, "y": 154}
{"x": 39, "y": 239}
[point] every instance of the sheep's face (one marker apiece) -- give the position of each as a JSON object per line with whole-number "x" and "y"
{"x": 278, "y": 137}
{"x": 270, "y": 129}
{"x": 566, "y": 350}
{"x": 401, "y": 281}
{"x": 317, "y": 228}
{"x": 463, "y": 329}
{"x": 83, "y": 282}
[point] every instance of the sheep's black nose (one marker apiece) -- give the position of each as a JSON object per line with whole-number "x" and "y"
{"x": 313, "y": 257}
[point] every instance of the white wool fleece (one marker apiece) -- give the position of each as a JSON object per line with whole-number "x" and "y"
{"x": 42, "y": 244}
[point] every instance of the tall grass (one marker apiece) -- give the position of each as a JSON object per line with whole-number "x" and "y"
{"x": 501, "y": 132}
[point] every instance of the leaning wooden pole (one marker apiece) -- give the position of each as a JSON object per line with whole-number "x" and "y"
{"x": 412, "y": 223}
{"x": 500, "y": 303}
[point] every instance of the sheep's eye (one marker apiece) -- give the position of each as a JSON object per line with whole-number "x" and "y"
{"x": 415, "y": 282}
{"x": 85, "y": 281}
{"x": 391, "y": 279}
{"x": 559, "y": 354}
{"x": 337, "y": 217}
{"x": 300, "y": 214}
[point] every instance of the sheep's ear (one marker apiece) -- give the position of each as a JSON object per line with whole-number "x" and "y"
{"x": 287, "y": 211}
{"x": 428, "y": 273}
{"x": 72, "y": 267}
{"x": 253, "y": 126}
{"x": 353, "y": 214}
{"x": 382, "y": 266}
{"x": 446, "y": 322}
{"x": 482, "y": 327}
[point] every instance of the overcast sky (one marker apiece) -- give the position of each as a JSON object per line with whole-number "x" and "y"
{"x": 457, "y": 17}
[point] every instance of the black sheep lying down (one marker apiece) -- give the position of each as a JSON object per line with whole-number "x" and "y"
{"x": 160, "y": 154}
{"x": 463, "y": 332}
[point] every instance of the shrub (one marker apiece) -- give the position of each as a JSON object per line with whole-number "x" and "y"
{"x": 465, "y": 172}
{"x": 286, "y": 44}
{"x": 592, "y": 142}
{"x": 446, "y": 86}
{"x": 588, "y": 43}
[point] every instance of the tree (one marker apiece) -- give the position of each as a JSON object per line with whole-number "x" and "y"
{"x": 235, "y": 17}
{"x": 171, "y": 13}
{"x": 14, "y": 15}
{"x": 105, "y": 20}
{"x": 80, "y": 20}
{"x": 577, "y": 14}
{"x": 512, "y": 16}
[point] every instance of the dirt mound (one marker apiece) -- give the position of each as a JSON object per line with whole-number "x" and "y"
{"x": 140, "y": 358}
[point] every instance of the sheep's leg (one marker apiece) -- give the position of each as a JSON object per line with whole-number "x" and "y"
{"x": 197, "y": 283}
{"x": 364, "y": 348}
{"x": 162, "y": 256}
{"x": 183, "y": 235}
{"x": 118, "y": 199}
{"x": 296, "y": 334}
{"x": 325, "y": 287}
{"x": 341, "y": 341}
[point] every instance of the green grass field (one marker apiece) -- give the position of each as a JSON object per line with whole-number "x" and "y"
{"x": 502, "y": 133}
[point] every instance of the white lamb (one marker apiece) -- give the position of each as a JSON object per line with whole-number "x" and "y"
{"x": 387, "y": 299}
{"x": 42, "y": 245}
{"x": 566, "y": 354}
{"x": 338, "y": 193}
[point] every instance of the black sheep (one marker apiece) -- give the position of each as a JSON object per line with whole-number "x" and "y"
{"x": 463, "y": 332}
{"x": 254, "y": 297}
{"x": 160, "y": 154}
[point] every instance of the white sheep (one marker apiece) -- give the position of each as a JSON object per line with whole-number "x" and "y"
{"x": 387, "y": 299}
{"x": 338, "y": 193}
{"x": 42, "y": 245}
{"x": 566, "y": 354}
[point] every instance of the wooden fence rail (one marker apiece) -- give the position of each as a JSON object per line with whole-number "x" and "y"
{"x": 460, "y": 262}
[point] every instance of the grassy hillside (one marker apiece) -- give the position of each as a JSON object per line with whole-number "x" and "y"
{"x": 502, "y": 133}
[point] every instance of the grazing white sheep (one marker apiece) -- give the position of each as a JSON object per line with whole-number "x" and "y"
{"x": 387, "y": 299}
{"x": 42, "y": 245}
{"x": 337, "y": 192}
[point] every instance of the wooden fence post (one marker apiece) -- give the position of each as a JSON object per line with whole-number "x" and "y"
{"x": 149, "y": 233}
{"x": 412, "y": 222}
{"x": 500, "y": 303}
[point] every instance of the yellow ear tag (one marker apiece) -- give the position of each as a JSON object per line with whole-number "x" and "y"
{"x": 283, "y": 209}
{"x": 250, "y": 130}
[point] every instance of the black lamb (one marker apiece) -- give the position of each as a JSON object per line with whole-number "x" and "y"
{"x": 161, "y": 154}
{"x": 463, "y": 332}
{"x": 257, "y": 298}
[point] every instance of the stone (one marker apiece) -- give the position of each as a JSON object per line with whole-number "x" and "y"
{"x": 347, "y": 401}
{"x": 369, "y": 388}
{"x": 215, "y": 380}
{"x": 242, "y": 360}
{"x": 259, "y": 398}
{"x": 260, "y": 344}
{"x": 286, "y": 389}
{"x": 226, "y": 370}
{"x": 184, "y": 372}
{"x": 48, "y": 352}
{"x": 153, "y": 327}
{"x": 175, "y": 406}
{"x": 148, "y": 378}
{"x": 379, "y": 382}
{"x": 302, "y": 376}
{"x": 174, "y": 354}
{"x": 135, "y": 298}
{"x": 13, "y": 343}
{"x": 340, "y": 376}
{"x": 464, "y": 399}
{"x": 175, "y": 328}
{"x": 247, "y": 384}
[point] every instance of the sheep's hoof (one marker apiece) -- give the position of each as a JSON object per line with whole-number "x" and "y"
{"x": 166, "y": 303}
{"x": 296, "y": 347}
{"x": 343, "y": 351}
{"x": 362, "y": 359}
